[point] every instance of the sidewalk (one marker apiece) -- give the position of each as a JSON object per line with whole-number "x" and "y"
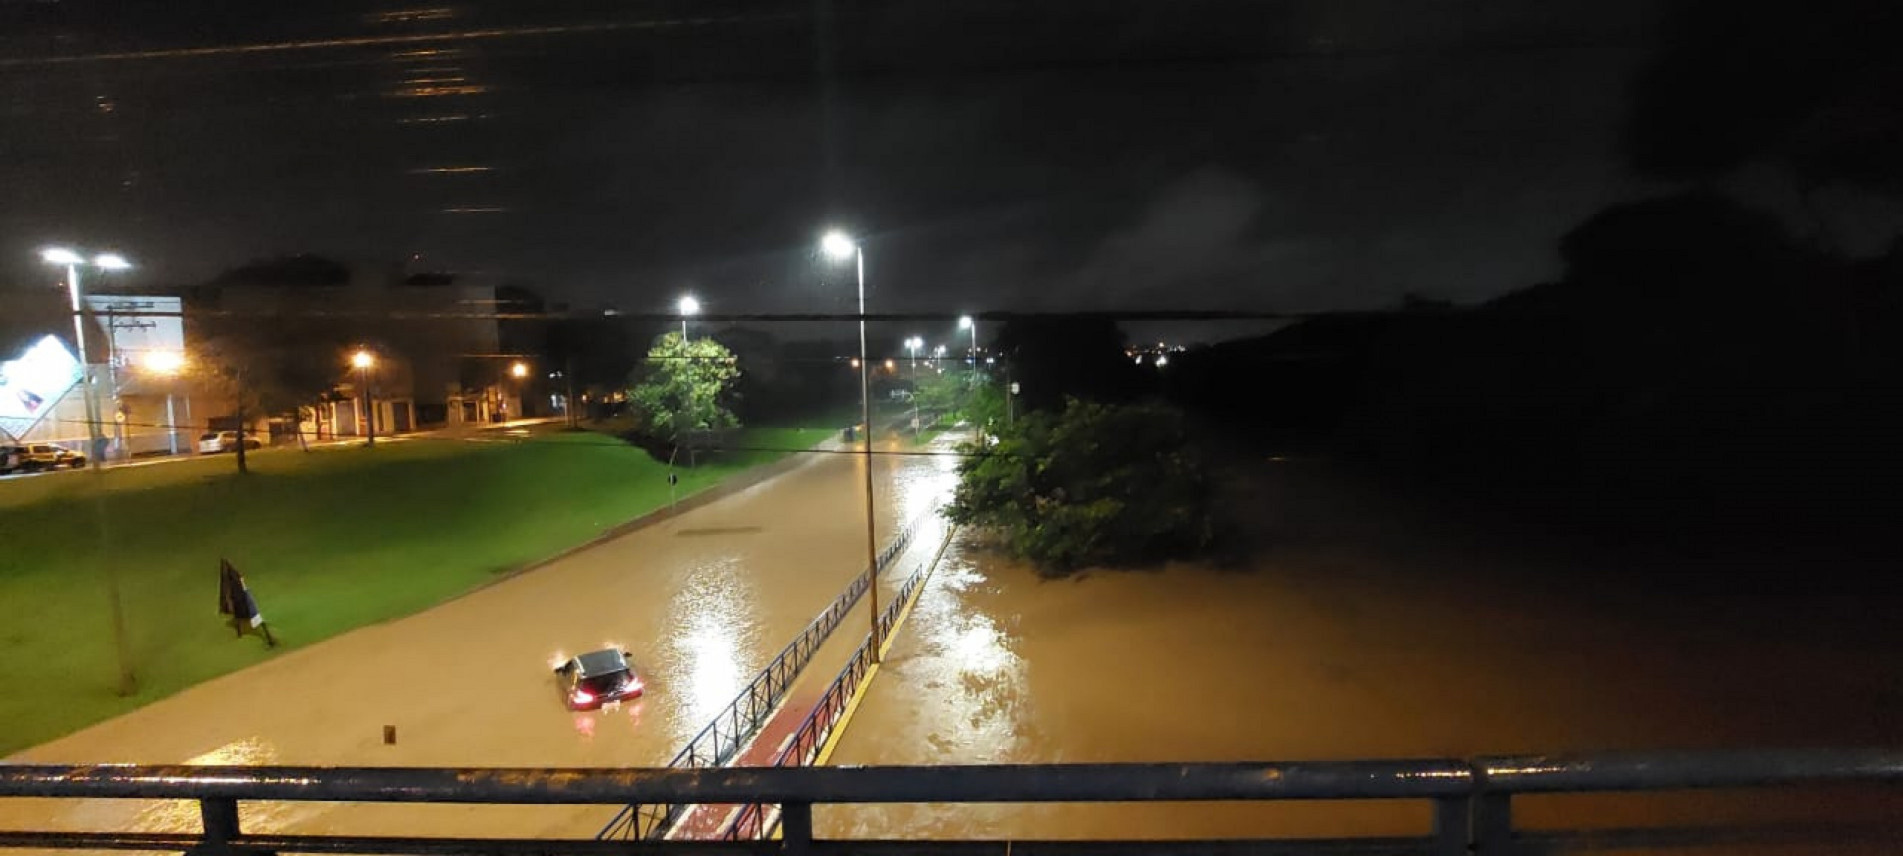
{"x": 708, "y": 822}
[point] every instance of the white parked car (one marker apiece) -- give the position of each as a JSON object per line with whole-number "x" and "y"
{"x": 224, "y": 441}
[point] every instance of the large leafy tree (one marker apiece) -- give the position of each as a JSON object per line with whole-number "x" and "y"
{"x": 1093, "y": 484}
{"x": 685, "y": 386}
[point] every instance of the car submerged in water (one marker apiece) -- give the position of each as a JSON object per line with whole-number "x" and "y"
{"x": 591, "y": 680}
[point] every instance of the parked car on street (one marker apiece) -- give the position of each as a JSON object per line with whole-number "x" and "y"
{"x": 36, "y": 457}
{"x": 597, "y": 678}
{"x": 215, "y": 442}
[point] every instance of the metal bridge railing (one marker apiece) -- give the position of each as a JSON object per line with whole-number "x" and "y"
{"x": 730, "y": 728}
{"x": 1471, "y": 800}
{"x": 757, "y": 820}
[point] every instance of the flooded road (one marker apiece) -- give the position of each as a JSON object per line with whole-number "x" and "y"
{"x": 1361, "y": 634}
{"x": 703, "y": 601}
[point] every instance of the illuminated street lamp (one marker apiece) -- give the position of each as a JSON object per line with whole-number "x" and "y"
{"x": 689, "y": 306}
{"x": 966, "y": 322}
{"x": 841, "y": 247}
{"x": 364, "y": 361}
{"x": 911, "y": 349}
{"x": 73, "y": 261}
{"x": 519, "y": 370}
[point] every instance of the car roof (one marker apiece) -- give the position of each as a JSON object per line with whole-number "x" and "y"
{"x": 602, "y": 662}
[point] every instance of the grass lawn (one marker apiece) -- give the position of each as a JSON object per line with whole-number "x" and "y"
{"x": 329, "y": 540}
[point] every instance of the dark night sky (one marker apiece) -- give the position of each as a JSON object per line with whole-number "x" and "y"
{"x": 1259, "y": 154}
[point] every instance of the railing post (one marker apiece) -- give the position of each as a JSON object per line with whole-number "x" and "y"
{"x": 1493, "y": 824}
{"x": 1452, "y": 830}
{"x": 220, "y": 819}
{"x": 796, "y": 828}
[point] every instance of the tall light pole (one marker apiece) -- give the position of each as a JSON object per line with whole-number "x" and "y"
{"x": 72, "y": 261}
{"x": 965, "y": 322}
{"x": 688, "y": 306}
{"x": 911, "y": 349}
{"x": 841, "y": 247}
{"x": 363, "y": 360}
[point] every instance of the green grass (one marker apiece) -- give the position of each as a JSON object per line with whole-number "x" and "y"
{"x": 329, "y": 540}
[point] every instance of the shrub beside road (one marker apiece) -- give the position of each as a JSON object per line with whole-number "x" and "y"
{"x": 329, "y": 540}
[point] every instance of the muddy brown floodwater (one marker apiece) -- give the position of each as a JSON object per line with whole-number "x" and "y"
{"x": 1363, "y": 634}
{"x": 703, "y": 600}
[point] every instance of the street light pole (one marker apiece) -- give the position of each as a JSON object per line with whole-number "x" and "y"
{"x": 838, "y": 245}
{"x": 865, "y": 412}
{"x": 89, "y": 392}
{"x": 968, "y": 323}
{"x": 363, "y": 361}
{"x": 128, "y": 682}
{"x": 688, "y": 306}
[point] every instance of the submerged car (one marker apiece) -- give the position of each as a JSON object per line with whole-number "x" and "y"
{"x": 597, "y": 678}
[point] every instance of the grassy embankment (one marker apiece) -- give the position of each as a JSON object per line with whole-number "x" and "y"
{"x": 328, "y": 540}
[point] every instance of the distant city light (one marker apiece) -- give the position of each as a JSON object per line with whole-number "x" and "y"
{"x": 520, "y": 369}
{"x": 855, "y": 362}
{"x": 890, "y": 365}
{"x": 1162, "y": 361}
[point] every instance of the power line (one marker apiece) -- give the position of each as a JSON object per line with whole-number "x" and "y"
{"x": 769, "y": 317}
{"x": 605, "y": 442}
{"x": 487, "y": 34}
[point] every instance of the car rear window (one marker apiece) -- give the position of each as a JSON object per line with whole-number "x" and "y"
{"x": 605, "y": 682}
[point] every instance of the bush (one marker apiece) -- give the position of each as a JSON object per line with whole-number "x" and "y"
{"x": 1093, "y": 485}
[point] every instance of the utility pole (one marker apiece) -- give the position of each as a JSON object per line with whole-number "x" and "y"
{"x": 242, "y": 466}
{"x": 568, "y": 375}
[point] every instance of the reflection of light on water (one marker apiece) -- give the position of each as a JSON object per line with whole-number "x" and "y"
{"x": 585, "y": 725}
{"x": 969, "y": 679}
{"x": 713, "y": 670}
{"x": 711, "y": 617}
{"x": 923, "y": 485}
{"x": 183, "y": 815}
{"x": 979, "y": 647}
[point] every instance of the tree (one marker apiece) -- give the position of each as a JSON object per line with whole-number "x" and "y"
{"x": 1094, "y": 484}
{"x": 685, "y": 387}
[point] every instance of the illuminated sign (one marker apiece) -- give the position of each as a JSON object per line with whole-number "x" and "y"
{"x": 32, "y": 384}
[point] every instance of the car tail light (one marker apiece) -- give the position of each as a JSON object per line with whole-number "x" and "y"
{"x": 582, "y": 697}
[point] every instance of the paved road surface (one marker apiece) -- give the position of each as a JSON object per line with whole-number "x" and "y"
{"x": 703, "y": 601}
